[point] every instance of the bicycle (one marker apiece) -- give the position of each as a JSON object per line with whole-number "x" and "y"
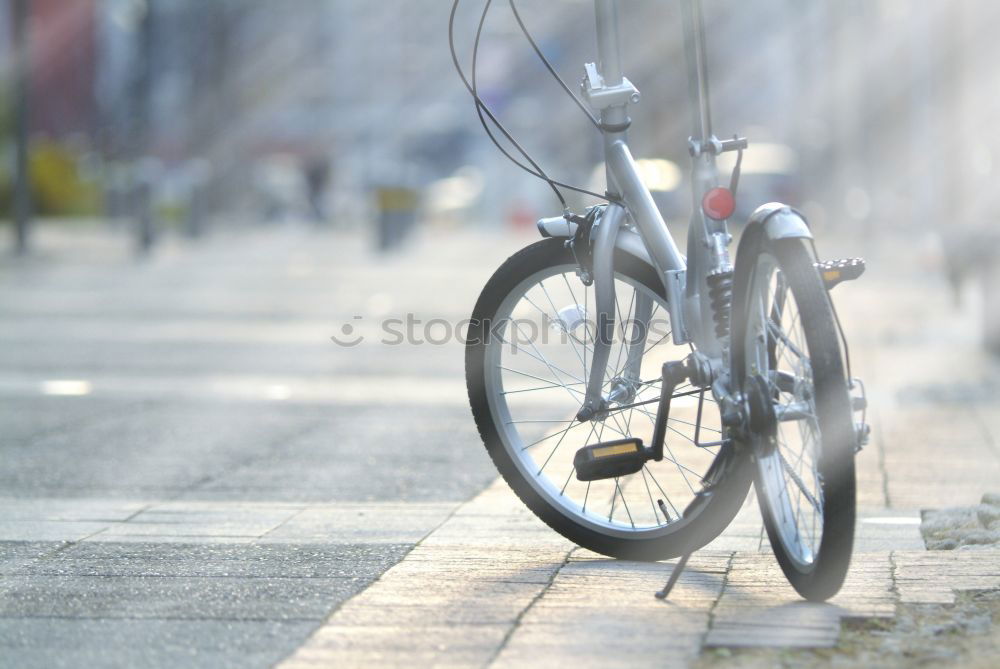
{"x": 745, "y": 362}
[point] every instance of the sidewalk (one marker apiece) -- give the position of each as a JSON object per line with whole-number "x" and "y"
{"x": 492, "y": 586}
{"x": 214, "y": 484}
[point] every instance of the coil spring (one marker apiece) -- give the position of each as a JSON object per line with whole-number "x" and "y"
{"x": 720, "y": 292}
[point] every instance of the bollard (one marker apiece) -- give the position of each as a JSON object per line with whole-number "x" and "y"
{"x": 397, "y": 212}
{"x": 198, "y": 173}
{"x": 146, "y": 173}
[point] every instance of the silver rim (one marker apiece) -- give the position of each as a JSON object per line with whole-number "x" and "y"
{"x": 536, "y": 364}
{"x": 788, "y": 468}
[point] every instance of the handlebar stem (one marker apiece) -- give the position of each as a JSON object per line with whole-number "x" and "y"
{"x": 608, "y": 53}
{"x": 694, "y": 49}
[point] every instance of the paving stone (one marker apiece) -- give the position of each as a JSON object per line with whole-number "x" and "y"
{"x": 376, "y": 522}
{"x": 602, "y": 612}
{"x": 44, "y": 643}
{"x": 187, "y": 522}
{"x": 624, "y": 640}
{"x": 439, "y": 586}
{"x": 288, "y": 561}
{"x": 69, "y": 509}
{"x": 57, "y": 530}
{"x": 15, "y": 554}
{"x": 759, "y": 607}
{"x": 387, "y": 646}
{"x": 789, "y": 626}
{"x": 919, "y": 478}
{"x": 932, "y": 577}
{"x": 169, "y": 597}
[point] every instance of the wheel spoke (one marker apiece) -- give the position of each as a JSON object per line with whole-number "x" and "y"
{"x": 624, "y": 504}
{"x": 538, "y": 378}
{"x": 541, "y": 358}
{"x": 537, "y": 424}
{"x": 558, "y": 444}
{"x": 663, "y": 492}
{"x": 649, "y": 493}
{"x": 531, "y": 390}
{"x": 555, "y": 312}
{"x": 783, "y": 338}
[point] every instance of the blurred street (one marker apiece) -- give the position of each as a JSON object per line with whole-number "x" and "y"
{"x": 195, "y": 474}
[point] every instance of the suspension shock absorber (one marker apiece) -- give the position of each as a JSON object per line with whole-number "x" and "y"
{"x": 719, "y": 204}
{"x": 720, "y": 293}
{"x": 720, "y": 284}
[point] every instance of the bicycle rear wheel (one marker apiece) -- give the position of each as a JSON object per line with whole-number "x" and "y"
{"x": 787, "y": 357}
{"x": 527, "y": 357}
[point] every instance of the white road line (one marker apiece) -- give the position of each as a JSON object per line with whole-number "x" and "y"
{"x": 341, "y": 389}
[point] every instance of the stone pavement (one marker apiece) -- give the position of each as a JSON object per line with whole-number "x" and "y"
{"x": 192, "y": 475}
{"x": 449, "y": 602}
{"x": 191, "y": 472}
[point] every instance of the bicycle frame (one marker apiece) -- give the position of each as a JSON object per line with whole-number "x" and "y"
{"x": 609, "y": 93}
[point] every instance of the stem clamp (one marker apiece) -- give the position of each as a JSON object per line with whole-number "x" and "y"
{"x": 600, "y": 96}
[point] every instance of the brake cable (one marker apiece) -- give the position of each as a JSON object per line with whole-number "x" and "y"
{"x": 484, "y": 112}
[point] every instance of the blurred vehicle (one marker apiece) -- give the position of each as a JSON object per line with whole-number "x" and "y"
{"x": 769, "y": 173}
{"x": 452, "y": 200}
{"x": 396, "y": 205}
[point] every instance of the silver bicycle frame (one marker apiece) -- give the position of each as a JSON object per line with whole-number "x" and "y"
{"x": 609, "y": 93}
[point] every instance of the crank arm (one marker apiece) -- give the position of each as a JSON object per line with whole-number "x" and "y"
{"x": 627, "y": 456}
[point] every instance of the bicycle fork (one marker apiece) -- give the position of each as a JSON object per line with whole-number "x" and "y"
{"x": 624, "y": 456}
{"x": 604, "y": 290}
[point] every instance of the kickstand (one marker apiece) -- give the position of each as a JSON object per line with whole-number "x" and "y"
{"x": 674, "y": 575}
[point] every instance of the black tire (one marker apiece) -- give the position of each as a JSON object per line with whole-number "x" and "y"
{"x": 704, "y": 520}
{"x": 823, "y": 576}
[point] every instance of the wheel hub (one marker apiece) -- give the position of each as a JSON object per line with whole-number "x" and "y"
{"x": 762, "y": 418}
{"x": 623, "y": 391}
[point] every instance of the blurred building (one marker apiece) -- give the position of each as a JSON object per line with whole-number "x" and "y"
{"x": 63, "y": 63}
{"x": 63, "y": 66}
{"x": 885, "y": 105}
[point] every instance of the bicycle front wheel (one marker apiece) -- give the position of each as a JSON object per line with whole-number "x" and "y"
{"x": 786, "y": 356}
{"x": 528, "y": 354}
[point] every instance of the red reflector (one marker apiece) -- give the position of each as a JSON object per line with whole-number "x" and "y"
{"x": 718, "y": 203}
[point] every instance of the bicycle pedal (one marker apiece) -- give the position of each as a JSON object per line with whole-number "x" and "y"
{"x": 838, "y": 271}
{"x": 610, "y": 459}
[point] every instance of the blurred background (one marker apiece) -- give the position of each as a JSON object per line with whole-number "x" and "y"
{"x": 239, "y": 172}
{"x": 158, "y": 119}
